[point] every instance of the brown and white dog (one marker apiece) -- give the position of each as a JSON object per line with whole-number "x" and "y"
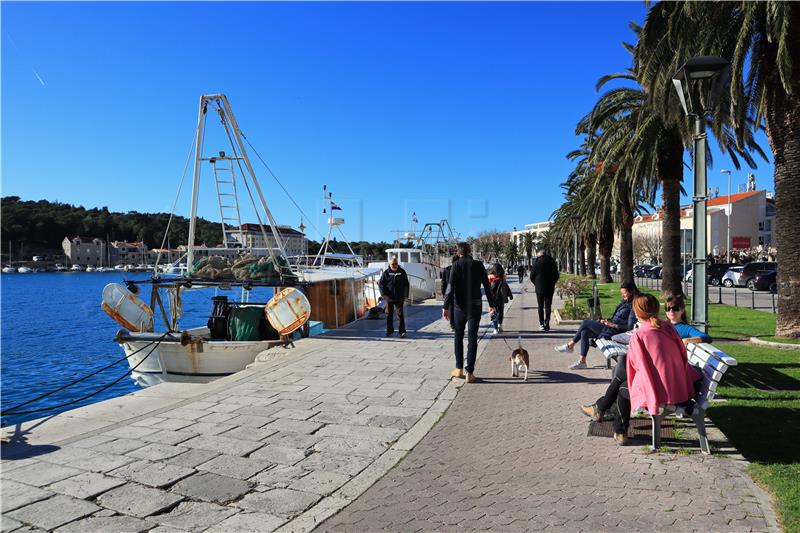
{"x": 519, "y": 359}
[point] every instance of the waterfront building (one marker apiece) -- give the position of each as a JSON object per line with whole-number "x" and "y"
{"x": 250, "y": 236}
{"x": 128, "y": 253}
{"x": 537, "y": 229}
{"x": 86, "y": 251}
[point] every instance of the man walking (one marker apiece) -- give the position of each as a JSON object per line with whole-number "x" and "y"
{"x": 394, "y": 289}
{"x": 464, "y": 294}
{"x": 544, "y": 276}
{"x": 445, "y": 281}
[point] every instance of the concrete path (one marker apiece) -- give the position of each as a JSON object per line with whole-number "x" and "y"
{"x": 282, "y": 445}
{"x": 514, "y": 456}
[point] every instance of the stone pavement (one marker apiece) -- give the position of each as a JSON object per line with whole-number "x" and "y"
{"x": 515, "y": 456}
{"x": 281, "y": 445}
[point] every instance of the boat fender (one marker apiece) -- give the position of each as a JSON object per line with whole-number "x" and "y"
{"x": 128, "y": 310}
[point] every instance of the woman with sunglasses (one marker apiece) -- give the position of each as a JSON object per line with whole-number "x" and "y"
{"x": 676, "y": 312}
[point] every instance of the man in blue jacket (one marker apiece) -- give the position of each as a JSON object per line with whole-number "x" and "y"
{"x": 394, "y": 288}
{"x": 623, "y": 319}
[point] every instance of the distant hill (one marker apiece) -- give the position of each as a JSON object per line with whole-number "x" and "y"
{"x": 40, "y": 226}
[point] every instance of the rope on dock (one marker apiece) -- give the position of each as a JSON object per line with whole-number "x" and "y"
{"x": 12, "y": 411}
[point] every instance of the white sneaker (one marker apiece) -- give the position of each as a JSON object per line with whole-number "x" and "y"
{"x": 541, "y": 327}
{"x": 564, "y": 348}
{"x": 493, "y": 331}
{"x": 577, "y": 366}
{"x": 500, "y": 329}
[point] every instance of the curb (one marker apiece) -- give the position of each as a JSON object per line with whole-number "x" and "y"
{"x": 784, "y": 346}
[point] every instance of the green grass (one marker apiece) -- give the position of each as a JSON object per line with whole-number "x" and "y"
{"x": 761, "y": 418}
{"x": 782, "y": 340}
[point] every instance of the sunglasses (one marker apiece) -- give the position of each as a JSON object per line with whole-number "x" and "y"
{"x": 672, "y": 308}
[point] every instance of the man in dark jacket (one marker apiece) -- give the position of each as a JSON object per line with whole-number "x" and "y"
{"x": 544, "y": 276}
{"x": 394, "y": 290}
{"x": 445, "y": 282}
{"x": 464, "y": 295}
{"x": 623, "y": 319}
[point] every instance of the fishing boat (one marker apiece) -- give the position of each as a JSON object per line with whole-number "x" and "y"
{"x": 9, "y": 270}
{"x": 77, "y": 268}
{"x": 236, "y": 330}
{"x": 24, "y": 270}
{"x": 431, "y": 251}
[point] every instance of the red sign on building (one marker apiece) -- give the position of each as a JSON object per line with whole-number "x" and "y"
{"x": 741, "y": 242}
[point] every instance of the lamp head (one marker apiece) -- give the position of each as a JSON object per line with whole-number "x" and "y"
{"x": 709, "y": 74}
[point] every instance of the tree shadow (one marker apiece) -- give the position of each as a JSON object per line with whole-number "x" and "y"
{"x": 762, "y": 434}
{"x": 762, "y": 376}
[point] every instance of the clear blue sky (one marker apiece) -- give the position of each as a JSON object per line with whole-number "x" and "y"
{"x": 457, "y": 110}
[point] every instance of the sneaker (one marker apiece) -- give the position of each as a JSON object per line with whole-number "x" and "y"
{"x": 592, "y": 412}
{"x": 457, "y": 373}
{"x": 470, "y": 377}
{"x": 564, "y": 348}
{"x": 620, "y": 439}
{"x": 577, "y": 366}
{"x": 500, "y": 329}
{"x": 547, "y": 327}
{"x": 541, "y": 328}
{"x": 493, "y": 331}
{"x": 403, "y": 335}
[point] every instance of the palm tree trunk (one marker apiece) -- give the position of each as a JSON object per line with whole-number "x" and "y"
{"x": 591, "y": 254}
{"x": 582, "y": 256}
{"x": 626, "y": 240}
{"x": 670, "y": 172}
{"x": 605, "y": 246}
{"x": 783, "y": 131}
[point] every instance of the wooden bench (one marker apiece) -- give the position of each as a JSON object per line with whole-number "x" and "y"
{"x": 712, "y": 364}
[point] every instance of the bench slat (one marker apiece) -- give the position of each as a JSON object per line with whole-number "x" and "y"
{"x": 720, "y": 355}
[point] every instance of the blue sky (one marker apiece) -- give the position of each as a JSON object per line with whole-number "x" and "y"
{"x": 452, "y": 110}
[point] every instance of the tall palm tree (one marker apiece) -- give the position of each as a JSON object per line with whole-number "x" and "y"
{"x": 762, "y": 42}
{"x": 527, "y": 244}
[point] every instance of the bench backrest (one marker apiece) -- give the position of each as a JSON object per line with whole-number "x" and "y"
{"x": 712, "y": 364}
{"x": 610, "y": 348}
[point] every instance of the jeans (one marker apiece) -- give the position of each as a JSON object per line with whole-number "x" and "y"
{"x": 617, "y": 393}
{"x": 588, "y": 331}
{"x": 390, "y": 310}
{"x": 497, "y": 317}
{"x": 545, "y": 302}
{"x": 469, "y": 319}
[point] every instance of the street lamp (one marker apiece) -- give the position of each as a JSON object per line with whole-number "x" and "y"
{"x": 699, "y": 83}
{"x": 575, "y": 219}
{"x": 728, "y": 244}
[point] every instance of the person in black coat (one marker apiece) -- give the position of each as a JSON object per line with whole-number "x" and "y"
{"x": 544, "y": 276}
{"x": 394, "y": 288}
{"x": 464, "y": 297}
{"x": 445, "y": 281}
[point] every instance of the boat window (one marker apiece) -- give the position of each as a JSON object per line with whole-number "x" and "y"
{"x": 415, "y": 257}
{"x": 403, "y": 257}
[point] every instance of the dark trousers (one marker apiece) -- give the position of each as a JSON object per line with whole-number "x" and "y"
{"x": 391, "y": 307}
{"x": 588, "y": 331}
{"x": 617, "y": 395}
{"x": 497, "y": 317}
{"x": 545, "y": 302}
{"x": 469, "y": 319}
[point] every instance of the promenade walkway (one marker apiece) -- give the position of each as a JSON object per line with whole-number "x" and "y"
{"x": 514, "y": 456}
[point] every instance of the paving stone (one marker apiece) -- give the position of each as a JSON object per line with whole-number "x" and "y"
{"x": 296, "y": 414}
{"x": 195, "y": 516}
{"x": 41, "y": 474}
{"x": 342, "y": 464}
{"x": 91, "y": 442}
{"x": 295, "y": 426}
{"x": 191, "y": 458}
{"x": 167, "y": 436}
{"x": 280, "y": 502}
{"x": 152, "y": 474}
{"x": 248, "y": 523}
{"x": 9, "y": 524}
{"x": 88, "y": 459}
{"x": 279, "y": 454}
{"x": 211, "y": 487}
{"x": 85, "y": 485}
{"x": 204, "y": 428}
{"x": 156, "y": 452}
{"x": 54, "y": 512}
{"x": 138, "y": 500}
{"x": 249, "y": 433}
{"x": 106, "y": 524}
{"x": 293, "y": 440}
{"x": 219, "y": 418}
{"x": 119, "y": 446}
{"x": 16, "y": 495}
{"x": 130, "y": 432}
{"x": 220, "y": 444}
{"x": 279, "y": 476}
{"x": 347, "y": 446}
{"x": 251, "y": 421}
{"x": 235, "y": 466}
{"x": 320, "y": 482}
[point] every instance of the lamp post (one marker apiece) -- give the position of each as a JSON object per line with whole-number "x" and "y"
{"x": 699, "y": 83}
{"x": 728, "y": 244}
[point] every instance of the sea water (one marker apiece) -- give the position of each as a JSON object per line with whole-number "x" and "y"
{"x": 52, "y": 332}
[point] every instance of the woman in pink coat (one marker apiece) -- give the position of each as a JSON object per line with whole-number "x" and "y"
{"x": 658, "y": 367}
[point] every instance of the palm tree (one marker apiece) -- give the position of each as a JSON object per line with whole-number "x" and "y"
{"x": 527, "y": 245}
{"x": 762, "y": 42}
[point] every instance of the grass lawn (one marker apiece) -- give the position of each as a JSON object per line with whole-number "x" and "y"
{"x": 761, "y": 418}
{"x": 761, "y": 412}
{"x": 783, "y": 340}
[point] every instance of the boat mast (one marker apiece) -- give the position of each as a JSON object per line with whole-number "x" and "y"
{"x": 323, "y": 250}
{"x": 201, "y": 119}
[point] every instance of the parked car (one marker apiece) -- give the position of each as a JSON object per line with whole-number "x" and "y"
{"x": 751, "y": 270}
{"x": 716, "y": 271}
{"x": 654, "y": 272}
{"x": 640, "y": 270}
{"x": 731, "y": 277}
{"x": 764, "y": 282}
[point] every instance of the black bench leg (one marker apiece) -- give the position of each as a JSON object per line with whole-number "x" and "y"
{"x": 656, "y": 425}
{"x": 699, "y": 417}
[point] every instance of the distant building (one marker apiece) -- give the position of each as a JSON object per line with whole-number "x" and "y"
{"x": 250, "y": 236}
{"x": 537, "y": 229}
{"x": 87, "y": 251}
{"x": 129, "y": 253}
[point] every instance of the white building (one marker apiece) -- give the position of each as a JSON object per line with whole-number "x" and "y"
{"x": 85, "y": 251}
{"x": 537, "y": 229}
{"x": 250, "y": 236}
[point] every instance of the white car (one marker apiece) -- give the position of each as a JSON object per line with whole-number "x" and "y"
{"x": 731, "y": 277}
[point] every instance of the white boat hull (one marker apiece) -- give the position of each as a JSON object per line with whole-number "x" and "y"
{"x": 198, "y": 362}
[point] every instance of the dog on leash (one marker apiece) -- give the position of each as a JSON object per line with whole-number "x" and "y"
{"x": 519, "y": 359}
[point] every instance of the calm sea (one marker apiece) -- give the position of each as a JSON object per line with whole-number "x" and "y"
{"x": 52, "y": 331}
